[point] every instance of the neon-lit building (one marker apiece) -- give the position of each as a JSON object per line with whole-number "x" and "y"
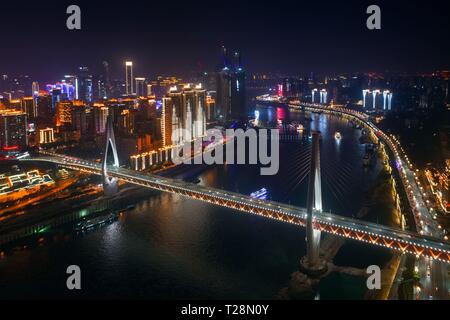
{"x": 46, "y": 136}
{"x": 100, "y": 116}
{"x": 28, "y": 105}
{"x": 13, "y": 130}
{"x": 210, "y": 105}
{"x": 35, "y": 88}
{"x": 19, "y": 185}
{"x": 313, "y": 91}
{"x": 82, "y": 119}
{"x": 129, "y": 78}
{"x": 63, "y": 113}
{"x": 188, "y": 113}
{"x": 365, "y": 93}
{"x": 323, "y": 96}
{"x": 280, "y": 90}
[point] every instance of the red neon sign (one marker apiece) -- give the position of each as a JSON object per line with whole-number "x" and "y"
{"x": 11, "y": 148}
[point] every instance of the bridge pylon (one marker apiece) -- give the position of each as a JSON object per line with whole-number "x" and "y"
{"x": 311, "y": 264}
{"x": 110, "y": 186}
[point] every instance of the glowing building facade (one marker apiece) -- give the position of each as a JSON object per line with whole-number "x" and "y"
{"x": 129, "y": 90}
{"x": 13, "y": 130}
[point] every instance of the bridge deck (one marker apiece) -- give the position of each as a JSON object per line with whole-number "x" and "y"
{"x": 396, "y": 239}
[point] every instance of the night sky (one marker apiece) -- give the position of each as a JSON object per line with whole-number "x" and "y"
{"x": 173, "y": 37}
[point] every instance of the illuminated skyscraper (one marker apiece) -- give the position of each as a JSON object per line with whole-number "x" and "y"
{"x": 63, "y": 113}
{"x": 385, "y": 93}
{"x": 56, "y": 97}
{"x": 323, "y": 96}
{"x": 129, "y": 78}
{"x": 28, "y": 105}
{"x": 374, "y": 97}
{"x": 35, "y": 88}
{"x": 84, "y": 85}
{"x": 100, "y": 116}
{"x": 390, "y": 101}
{"x": 313, "y": 91}
{"x": 13, "y": 130}
{"x": 81, "y": 119}
{"x": 141, "y": 90}
{"x": 125, "y": 122}
{"x": 365, "y": 93}
{"x": 210, "y": 105}
{"x": 166, "y": 121}
{"x": 230, "y": 100}
{"x": 188, "y": 112}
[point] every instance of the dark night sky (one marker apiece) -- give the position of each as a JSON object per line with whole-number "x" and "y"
{"x": 171, "y": 37}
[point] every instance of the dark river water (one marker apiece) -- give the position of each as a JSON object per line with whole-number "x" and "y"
{"x": 172, "y": 247}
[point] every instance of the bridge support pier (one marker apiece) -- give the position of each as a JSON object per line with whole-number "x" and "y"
{"x": 312, "y": 264}
{"x": 110, "y": 184}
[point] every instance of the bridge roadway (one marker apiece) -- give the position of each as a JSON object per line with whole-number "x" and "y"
{"x": 394, "y": 239}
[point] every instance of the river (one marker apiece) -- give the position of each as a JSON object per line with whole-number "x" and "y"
{"x": 170, "y": 247}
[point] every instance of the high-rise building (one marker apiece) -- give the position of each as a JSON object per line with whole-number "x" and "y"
{"x": 188, "y": 112}
{"x": 34, "y": 88}
{"x": 84, "y": 85}
{"x": 223, "y": 82}
{"x": 99, "y": 90}
{"x": 13, "y": 130}
{"x": 141, "y": 88}
{"x": 63, "y": 113}
{"x": 238, "y": 90}
{"x": 56, "y": 97}
{"x": 210, "y": 109}
{"x": 166, "y": 121}
{"x": 100, "y": 116}
{"x": 231, "y": 88}
{"x": 81, "y": 119}
{"x": 146, "y": 108}
{"x": 125, "y": 122}
{"x": 28, "y": 106}
{"x": 44, "y": 108}
{"x": 106, "y": 80}
{"x": 129, "y": 78}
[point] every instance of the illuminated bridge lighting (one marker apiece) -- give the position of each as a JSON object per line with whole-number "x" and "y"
{"x": 370, "y": 233}
{"x": 393, "y": 239}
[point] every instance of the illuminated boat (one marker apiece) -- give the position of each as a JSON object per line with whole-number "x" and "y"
{"x": 337, "y": 135}
{"x": 95, "y": 222}
{"x": 260, "y": 194}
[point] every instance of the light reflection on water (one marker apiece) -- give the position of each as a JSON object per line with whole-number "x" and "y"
{"x": 172, "y": 247}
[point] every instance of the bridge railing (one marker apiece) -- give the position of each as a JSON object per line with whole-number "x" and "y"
{"x": 372, "y": 233}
